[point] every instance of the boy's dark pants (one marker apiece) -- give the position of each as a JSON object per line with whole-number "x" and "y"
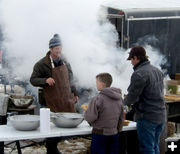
{"x": 104, "y": 144}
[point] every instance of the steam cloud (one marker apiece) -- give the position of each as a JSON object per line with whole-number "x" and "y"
{"x": 91, "y": 48}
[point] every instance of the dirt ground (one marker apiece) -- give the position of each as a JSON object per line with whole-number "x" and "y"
{"x": 76, "y": 145}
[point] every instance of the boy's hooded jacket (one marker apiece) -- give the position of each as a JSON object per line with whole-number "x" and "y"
{"x": 105, "y": 111}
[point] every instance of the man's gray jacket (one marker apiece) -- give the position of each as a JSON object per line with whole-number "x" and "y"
{"x": 146, "y": 94}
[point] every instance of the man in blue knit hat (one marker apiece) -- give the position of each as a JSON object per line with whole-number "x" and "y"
{"x": 54, "y": 75}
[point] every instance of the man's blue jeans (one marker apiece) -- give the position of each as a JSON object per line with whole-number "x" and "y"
{"x": 105, "y": 144}
{"x": 149, "y": 136}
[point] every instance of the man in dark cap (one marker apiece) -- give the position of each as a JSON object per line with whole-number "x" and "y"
{"x": 145, "y": 93}
{"x": 54, "y": 75}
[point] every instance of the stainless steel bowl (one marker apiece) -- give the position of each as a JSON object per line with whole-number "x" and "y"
{"x": 66, "y": 119}
{"x": 25, "y": 122}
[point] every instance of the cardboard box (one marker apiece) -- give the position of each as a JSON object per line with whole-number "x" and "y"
{"x": 173, "y": 86}
{"x": 177, "y": 76}
{"x": 173, "y": 82}
{"x": 173, "y": 89}
{"x": 178, "y": 128}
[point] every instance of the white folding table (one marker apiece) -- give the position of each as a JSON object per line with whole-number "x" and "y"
{"x": 8, "y": 133}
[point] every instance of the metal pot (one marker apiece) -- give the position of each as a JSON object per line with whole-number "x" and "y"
{"x": 20, "y": 101}
{"x": 66, "y": 119}
{"x": 25, "y": 122}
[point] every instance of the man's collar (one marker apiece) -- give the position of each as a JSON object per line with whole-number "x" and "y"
{"x": 141, "y": 62}
{"x": 57, "y": 60}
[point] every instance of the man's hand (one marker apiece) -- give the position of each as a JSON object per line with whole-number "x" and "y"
{"x": 77, "y": 99}
{"x": 50, "y": 81}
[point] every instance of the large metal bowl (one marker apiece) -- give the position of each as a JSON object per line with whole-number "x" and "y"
{"x": 25, "y": 122}
{"x": 66, "y": 119}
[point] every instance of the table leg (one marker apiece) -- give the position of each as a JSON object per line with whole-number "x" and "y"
{"x": 128, "y": 142}
{"x": 3, "y": 120}
{"x": 18, "y": 147}
{"x": 1, "y": 147}
{"x": 123, "y": 142}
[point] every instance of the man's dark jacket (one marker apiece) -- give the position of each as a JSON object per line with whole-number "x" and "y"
{"x": 146, "y": 94}
{"x": 43, "y": 70}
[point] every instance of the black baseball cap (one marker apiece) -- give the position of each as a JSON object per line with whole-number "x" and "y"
{"x": 137, "y": 51}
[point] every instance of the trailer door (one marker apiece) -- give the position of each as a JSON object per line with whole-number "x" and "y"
{"x": 117, "y": 21}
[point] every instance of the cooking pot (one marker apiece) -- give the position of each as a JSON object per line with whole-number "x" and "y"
{"x": 25, "y": 122}
{"x": 21, "y": 101}
{"x": 66, "y": 119}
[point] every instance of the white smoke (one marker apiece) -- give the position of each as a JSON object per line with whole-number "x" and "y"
{"x": 90, "y": 47}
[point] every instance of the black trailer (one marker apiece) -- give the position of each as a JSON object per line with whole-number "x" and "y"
{"x": 158, "y": 27}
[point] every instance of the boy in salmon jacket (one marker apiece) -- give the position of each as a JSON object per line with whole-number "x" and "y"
{"x": 105, "y": 114}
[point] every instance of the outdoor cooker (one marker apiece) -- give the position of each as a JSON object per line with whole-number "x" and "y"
{"x": 66, "y": 119}
{"x": 21, "y": 101}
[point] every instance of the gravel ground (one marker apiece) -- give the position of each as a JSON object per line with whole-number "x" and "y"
{"x": 76, "y": 145}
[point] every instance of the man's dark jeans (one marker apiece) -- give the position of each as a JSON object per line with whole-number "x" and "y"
{"x": 149, "y": 136}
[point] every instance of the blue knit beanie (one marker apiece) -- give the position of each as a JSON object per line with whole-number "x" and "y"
{"x": 55, "y": 41}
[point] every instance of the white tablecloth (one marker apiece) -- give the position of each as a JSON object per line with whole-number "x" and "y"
{"x": 8, "y": 133}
